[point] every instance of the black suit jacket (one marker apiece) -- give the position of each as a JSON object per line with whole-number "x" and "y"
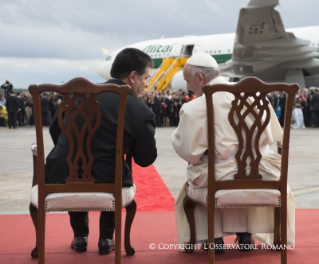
{"x": 139, "y": 130}
{"x": 12, "y": 104}
{"x": 20, "y": 103}
{"x": 45, "y": 105}
{"x": 315, "y": 102}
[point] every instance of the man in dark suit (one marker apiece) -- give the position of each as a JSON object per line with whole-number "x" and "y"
{"x": 20, "y": 114}
{"x": 132, "y": 67}
{"x": 45, "y": 109}
{"x": 314, "y": 101}
{"x": 12, "y": 109}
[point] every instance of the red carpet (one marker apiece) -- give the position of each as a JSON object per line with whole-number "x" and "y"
{"x": 151, "y": 192}
{"x": 155, "y": 223}
{"x": 18, "y": 238}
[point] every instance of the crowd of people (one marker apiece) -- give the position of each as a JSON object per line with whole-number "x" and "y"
{"x": 16, "y": 109}
{"x": 305, "y": 110}
{"x": 166, "y": 105}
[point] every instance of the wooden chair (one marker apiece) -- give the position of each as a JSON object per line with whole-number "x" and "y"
{"x": 43, "y": 196}
{"x": 258, "y": 108}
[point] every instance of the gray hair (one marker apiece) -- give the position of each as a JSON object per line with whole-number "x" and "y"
{"x": 208, "y": 72}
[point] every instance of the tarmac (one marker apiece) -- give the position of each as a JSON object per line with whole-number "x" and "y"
{"x": 16, "y": 167}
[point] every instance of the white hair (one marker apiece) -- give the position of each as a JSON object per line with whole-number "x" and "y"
{"x": 208, "y": 72}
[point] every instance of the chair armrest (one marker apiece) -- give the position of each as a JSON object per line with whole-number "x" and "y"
{"x": 35, "y": 161}
{"x": 279, "y": 146}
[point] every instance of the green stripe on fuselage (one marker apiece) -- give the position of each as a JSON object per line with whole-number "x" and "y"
{"x": 220, "y": 58}
{"x": 157, "y": 62}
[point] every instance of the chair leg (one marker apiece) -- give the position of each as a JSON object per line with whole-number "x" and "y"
{"x": 277, "y": 229}
{"x": 130, "y": 214}
{"x": 283, "y": 232}
{"x": 41, "y": 233}
{"x": 189, "y": 206}
{"x": 34, "y": 215}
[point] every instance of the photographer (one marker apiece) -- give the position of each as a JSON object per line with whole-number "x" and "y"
{"x": 7, "y": 86}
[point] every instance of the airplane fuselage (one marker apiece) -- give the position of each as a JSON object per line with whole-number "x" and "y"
{"x": 220, "y": 46}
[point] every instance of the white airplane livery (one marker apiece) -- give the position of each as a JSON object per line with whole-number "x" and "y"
{"x": 261, "y": 47}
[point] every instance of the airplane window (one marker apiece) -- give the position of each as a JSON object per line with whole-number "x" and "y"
{"x": 219, "y": 51}
{"x": 214, "y": 51}
{"x": 228, "y": 50}
{"x": 210, "y": 52}
{"x": 155, "y": 55}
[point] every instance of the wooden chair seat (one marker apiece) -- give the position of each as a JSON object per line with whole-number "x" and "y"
{"x": 89, "y": 201}
{"x": 237, "y": 198}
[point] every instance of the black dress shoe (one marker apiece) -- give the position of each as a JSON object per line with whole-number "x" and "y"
{"x": 245, "y": 241}
{"x": 218, "y": 246}
{"x": 79, "y": 244}
{"x": 106, "y": 246}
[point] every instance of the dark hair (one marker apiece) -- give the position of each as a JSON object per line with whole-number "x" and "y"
{"x": 129, "y": 60}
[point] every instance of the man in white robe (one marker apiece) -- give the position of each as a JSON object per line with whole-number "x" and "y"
{"x": 190, "y": 142}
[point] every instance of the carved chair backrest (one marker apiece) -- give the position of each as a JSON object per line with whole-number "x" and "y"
{"x": 250, "y": 102}
{"x": 79, "y": 117}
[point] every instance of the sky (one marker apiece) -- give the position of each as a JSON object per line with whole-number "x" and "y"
{"x": 46, "y": 41}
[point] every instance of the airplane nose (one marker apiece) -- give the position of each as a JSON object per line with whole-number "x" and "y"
{"x": 104, "y": 70}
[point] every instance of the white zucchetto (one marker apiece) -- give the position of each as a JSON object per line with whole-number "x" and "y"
{"x": 202, "y": 59}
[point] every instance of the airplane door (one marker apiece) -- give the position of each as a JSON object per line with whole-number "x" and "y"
{"x": 176, "y": 50}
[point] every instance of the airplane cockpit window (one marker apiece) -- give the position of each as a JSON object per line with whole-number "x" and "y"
{"x": 108, "y": 58}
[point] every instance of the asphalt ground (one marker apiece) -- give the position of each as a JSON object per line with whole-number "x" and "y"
{"x": 16, "y": 168}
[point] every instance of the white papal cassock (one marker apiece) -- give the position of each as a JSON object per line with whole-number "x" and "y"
{"x": 190, "y": 141}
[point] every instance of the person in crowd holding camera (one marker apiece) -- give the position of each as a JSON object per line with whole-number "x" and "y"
{"x": 7, "y": 86}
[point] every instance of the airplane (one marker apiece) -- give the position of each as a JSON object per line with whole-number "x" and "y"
{"x": 260, "y": 47}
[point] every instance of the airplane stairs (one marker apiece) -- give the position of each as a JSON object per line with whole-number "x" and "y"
{"x": 163, "y": 76}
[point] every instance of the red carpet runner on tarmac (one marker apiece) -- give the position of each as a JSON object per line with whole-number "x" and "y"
{"x": 154, "y": 225}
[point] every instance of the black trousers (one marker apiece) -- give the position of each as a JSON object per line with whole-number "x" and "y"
{"x": 80, "y": 224}
{"x": 45, "y": 119}
{"x": 20, "y": 117}
{"x": 3, "y": 121}
{"x": 12, "y": 120}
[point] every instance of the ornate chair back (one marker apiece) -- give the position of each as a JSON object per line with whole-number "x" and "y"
{"x": 250, "y": 101}
{"x": 79, "y": 118}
